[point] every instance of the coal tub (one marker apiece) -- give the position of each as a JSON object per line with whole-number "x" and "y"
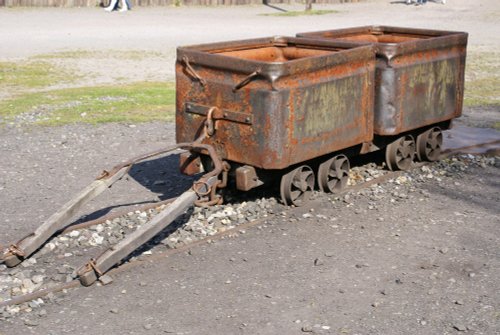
{"x": 419, "y": 76}
{"x": 275, "y": 102}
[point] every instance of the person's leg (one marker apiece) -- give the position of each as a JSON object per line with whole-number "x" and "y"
{"x": 124, "y": 6}
{"x": 112, "y": 5}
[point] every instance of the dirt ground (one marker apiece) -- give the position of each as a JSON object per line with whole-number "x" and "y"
{"x": 428, "y": 263}
{"x": 29, "y": 32}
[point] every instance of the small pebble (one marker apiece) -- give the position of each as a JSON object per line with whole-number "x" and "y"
{"x": 74, "y": 233}
{"x": 31, "y": 323}
{"x": 307, "y": 329}
{"x": 460, "y": 327}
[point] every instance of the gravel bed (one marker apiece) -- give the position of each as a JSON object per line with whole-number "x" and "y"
{"x": 57, "y": 261}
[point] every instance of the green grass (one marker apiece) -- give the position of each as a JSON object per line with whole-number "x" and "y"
{"x": 134, "y": 103}
{"x": 33, "y": 101}
{"x": 118, "y": 54}
{"x": 32, "y": 75}
{"x": 482, "y": 78}
{"x": 31, "y": 97}
{"x": 74, "y": 54}
{"x": 301, "y": 13}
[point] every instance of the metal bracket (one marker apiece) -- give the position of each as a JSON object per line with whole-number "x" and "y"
{"x": 220, "y": 114}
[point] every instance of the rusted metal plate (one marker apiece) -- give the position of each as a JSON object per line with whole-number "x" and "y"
{"x": 419, "y": 76}
{"x": 286, "y": 100}
{"x": 220, "y": 115}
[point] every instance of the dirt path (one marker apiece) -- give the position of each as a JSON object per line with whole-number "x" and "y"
{"x": 417, "y": 257}
{"x": 29, "y": 32}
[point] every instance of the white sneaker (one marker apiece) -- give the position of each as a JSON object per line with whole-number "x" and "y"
{"x": 108, "y": 9}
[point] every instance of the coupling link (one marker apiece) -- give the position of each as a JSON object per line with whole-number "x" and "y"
{"x": 198, "y": 189}
{"x": 214, "y": 199}
{"x": 210, "y": 126}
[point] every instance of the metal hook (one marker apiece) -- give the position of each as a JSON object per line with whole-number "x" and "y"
{"x": 192, "y": 72}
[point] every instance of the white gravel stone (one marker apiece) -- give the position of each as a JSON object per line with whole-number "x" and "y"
{"x": 28, "y": 285}
{"x": 74, "y": 233}
{"x": 96, "y": 239}
{"x": 37, "y": 279}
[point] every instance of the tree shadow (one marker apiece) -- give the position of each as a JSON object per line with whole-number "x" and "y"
{"x": 474, "y": 196}
{"x": 160, "y": 176}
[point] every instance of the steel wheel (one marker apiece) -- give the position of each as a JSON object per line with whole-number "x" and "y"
{"x": 334, "y": 174}
{"x": 429, "y": 145}
{"x": 400, "y": 153}
{"x": 297, "y": 185}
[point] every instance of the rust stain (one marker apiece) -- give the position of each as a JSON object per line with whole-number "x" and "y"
{"x": 419, "y": 78}
{"x": 297, "y": 101}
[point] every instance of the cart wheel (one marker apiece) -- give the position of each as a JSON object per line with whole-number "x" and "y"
{"x": 334, "y": 174}
{"x": 297, "y": 185}
{"x": 400, "y": 153}
{"x": 429, "y": 145}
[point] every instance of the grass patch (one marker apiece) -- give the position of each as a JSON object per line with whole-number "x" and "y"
{"x": 134, "y": 103}
{"x": 74, "y": 54}
{"x": 301, "y": 13}
{"x": 31, "y": 75}
{"x": 482, "y": 78}
{"x": 118, "y": 54}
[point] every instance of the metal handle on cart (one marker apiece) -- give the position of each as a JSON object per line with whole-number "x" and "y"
{"x": 192, "y": 72}
{"x": 247, "y": 80}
